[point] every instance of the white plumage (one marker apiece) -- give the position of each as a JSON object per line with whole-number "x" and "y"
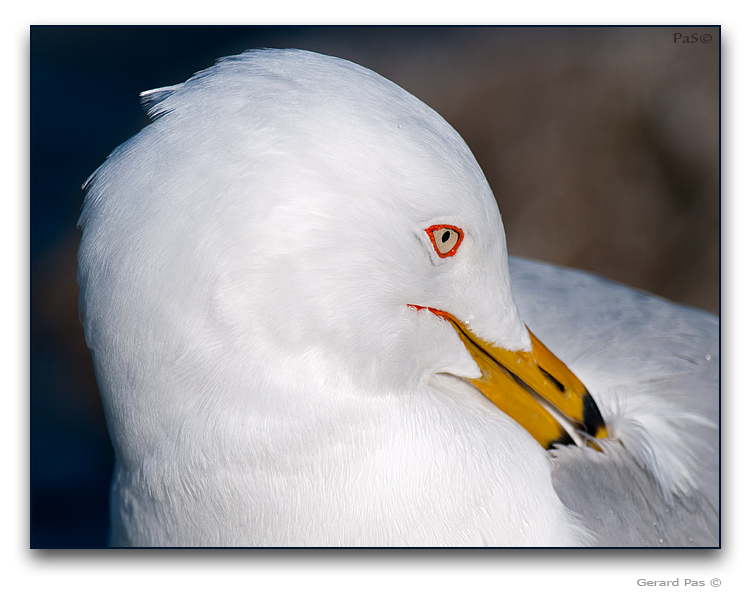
{"x": 247, "y": 267}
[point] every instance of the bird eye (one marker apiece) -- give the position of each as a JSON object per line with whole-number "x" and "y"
{"x": 445, "y": 239}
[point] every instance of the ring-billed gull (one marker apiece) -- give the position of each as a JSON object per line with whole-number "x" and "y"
{"x": 297, "y": 295}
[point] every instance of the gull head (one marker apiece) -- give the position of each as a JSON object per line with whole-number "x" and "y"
{"x": 290, "y": 219}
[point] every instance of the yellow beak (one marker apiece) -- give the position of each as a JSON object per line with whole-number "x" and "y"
{"x": 535, "y": 388}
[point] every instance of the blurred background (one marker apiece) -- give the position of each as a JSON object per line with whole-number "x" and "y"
{"x": 601, "y": 145}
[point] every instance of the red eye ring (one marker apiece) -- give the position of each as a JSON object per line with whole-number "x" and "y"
{"x": 446, "y": 239}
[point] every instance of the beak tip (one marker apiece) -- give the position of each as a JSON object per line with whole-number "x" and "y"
{"x": 594, "y": 424}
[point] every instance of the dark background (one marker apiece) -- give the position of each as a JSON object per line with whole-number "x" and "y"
{"x": 601, "y": 145}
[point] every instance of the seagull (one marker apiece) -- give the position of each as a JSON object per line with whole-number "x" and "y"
{"x": 296, "y": 290}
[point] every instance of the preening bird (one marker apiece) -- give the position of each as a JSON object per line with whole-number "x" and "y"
{"x": 295, "y": 287}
